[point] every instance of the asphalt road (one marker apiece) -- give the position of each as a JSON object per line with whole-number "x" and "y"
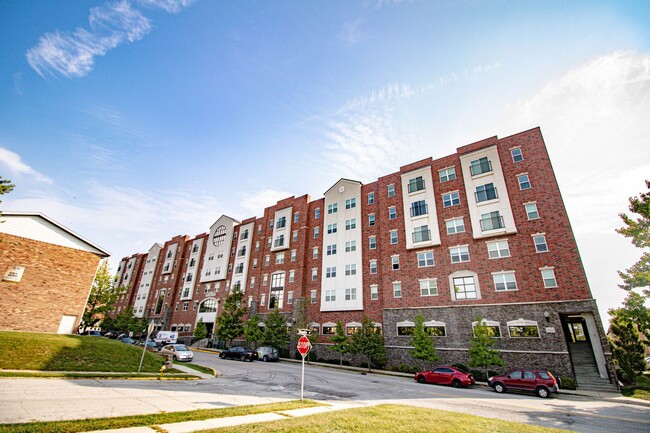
{"x": 24, "y": 400}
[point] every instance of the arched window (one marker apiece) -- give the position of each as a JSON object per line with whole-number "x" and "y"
{"x": 209, "y": 306}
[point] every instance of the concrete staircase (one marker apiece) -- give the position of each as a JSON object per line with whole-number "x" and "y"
{"x": 586, "y": 370}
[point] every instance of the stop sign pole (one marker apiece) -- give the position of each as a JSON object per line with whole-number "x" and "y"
{"x": 304, "y": 346}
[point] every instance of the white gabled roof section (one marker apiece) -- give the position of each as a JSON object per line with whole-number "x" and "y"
{"x": 39, "y": 227}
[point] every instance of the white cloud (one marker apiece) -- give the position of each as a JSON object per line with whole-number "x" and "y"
{"x": 72, "y": 54}
{"x": 254, "y": 204}
{"x": 351, "y": 32}
{"x": 13, "y": 162}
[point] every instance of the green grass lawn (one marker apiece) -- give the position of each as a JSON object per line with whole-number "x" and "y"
{"x": 52, "y": 352}
{"x": 641, "y": 389}
{"x": 389, "y": 419}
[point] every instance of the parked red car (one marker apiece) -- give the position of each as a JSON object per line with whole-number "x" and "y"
{"x": 445, "y": 376}
{"x": 541, "y": 382}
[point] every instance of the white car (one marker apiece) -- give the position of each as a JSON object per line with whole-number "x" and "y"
{"x": 180, "y": 352}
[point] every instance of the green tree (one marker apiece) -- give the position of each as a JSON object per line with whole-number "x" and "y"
{"x": 638, "y": 230}
{"x": 424, "y": 347}
{"x": 367, "y": 341}
{"x": 229, "y": 323}
{"x": 627, "y": 349}
{"x": 125, "y": 321}
{"x": 341, "y": 341}
{"x": 481, "y": 353}
{"x": 634, "y": 310}
{"x": 102, "y": 296}
{"x": 275, "y": 331}
{"x": 5, "y": 188}
{"x": 200, "y": 330}
{"x": 252, "y": 332}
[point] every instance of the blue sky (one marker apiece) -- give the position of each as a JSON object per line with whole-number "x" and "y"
{"x": 134, "y": 121}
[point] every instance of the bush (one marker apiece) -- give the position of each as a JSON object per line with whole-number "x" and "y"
{"x": 461, "y": 367}
{"x": 567, "y": 383}
{"x": 479, "y": 375}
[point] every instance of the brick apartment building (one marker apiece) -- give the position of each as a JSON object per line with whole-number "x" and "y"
{"x": 48, "y": 273}
{"x": 481, "y": 232}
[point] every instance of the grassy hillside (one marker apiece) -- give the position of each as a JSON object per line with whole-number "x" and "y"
{"x": 51, "y": 352}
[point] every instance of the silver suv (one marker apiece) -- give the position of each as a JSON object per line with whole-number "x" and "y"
{"x": 268, "y": 354}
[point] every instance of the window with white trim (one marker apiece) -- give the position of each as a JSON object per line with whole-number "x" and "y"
{"x": 351, "y": 294}
{"x": 331, "y": 250}
{"x": 429, "y": 287}
{"x": 523, "y": 329}
{"x": 393, "y": 237}
{"x": 459, "y": 254}
{"x": 540, "y": 243}
{"x": 371, "y": 219}
{"x": 331, "y": 228}
{"x": 373, "y": 266}
{"x": 392, "y": 213}
{"x": 351, "y": 224}
{"x": 548, "y": 276}
{"x": 316, "y": 232}
{"x": 516, "y": 154}
{"x": 372, "y": 242}
{"x": 397, "y": 289}
{"x": 374, "y": 292}
{"x": 425, "y": 259}
{"x": 294, "y": 235}
{"x": 290, "y": 296}
{"x": 456, "y": 225}
{"x": 317, "y": 213}
{"x": 447, "y": 174}
{"x": 314, "y": 274}
{"x": 314, "y": 253}
{"x": 350, "y": 203}
{"x": 292, "y": 276}
{"x": 351, "y": 269}
{"x": 405, "y": 329}
{"x": 494, "y": 329}
{"x": 464, "y": 287}
{"x": 504, "y": 281}
{"x": 371, "y": 198}
{"x": 451, "y": 199}
{"x": 350, "y": 246}
{"x": 279, "y": 258}
{"x": 312, "y": 296}
{"x": 531, "y": 211}
{"x": 524, "y": 181}
{"x": 293, "y": 255}
{"x": 395, "y": 263}
{"x": 330, "y": 295}
{"x": 498, "y": 249}
{"x": 391, "y": 190}
{"x": 332, "y": 208}
{"x": 267, "y": 260}
{"x": 330, "y": 272}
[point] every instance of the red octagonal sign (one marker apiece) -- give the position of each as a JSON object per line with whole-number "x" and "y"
{"x": 303, "y": 346}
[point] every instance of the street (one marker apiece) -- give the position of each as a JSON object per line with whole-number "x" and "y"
{"x": 257, "y": 382}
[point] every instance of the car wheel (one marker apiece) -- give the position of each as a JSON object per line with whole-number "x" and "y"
{"x": 456, "y": 383}
{"x": 498, "y": 387}
{"x": 265, "y": 358}
{"x": 542, "y": 392}
{"x": 242, "y": 358}
{"x": 222, "y": 356}
{"x": 421, "y": 379}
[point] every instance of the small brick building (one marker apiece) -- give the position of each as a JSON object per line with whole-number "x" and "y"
{"x": 47, "y": 273}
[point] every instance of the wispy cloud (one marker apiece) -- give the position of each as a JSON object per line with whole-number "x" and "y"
{"x": 72, "y": 54}
{"x": 254, "y": 204}
{"x": 13, "y": 162}
{"x": 352, "y": 33}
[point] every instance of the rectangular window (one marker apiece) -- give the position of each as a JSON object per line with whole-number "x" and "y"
{"x": 332, "y": 208}
{"x": 524, "y": 182}
{"x": 279, "y": 258}
{"x": 317, "y": 213}
{"x": 371, "y": 198}
{"x": 330, "y": 272}
{"x": 372, "y": 242}
{"x": 548, "y": 275}
{"x": 457, "y": 225}
{"x": 371, "y": 219}
{"x": 531, "y": 211}
{"x": 425, "y": 259}
{"x": 540, "y": 243}
{"x": 393, "y": 237}
{"x": 279, "y": 241}
{"x": 350, "y": 270}
{"x": 350, "y": 203}
{"x": 312, "y": 296}
{"x": 294, "y": 236}
{"x": 268, "y": 242}
{"x": 516, "y": 154}
{"x": 428, "y": 287}
{"x": 292, "y": 276}
{"x": 351, "y": 294}
{"x": 479, "y": 166}
{"x": 351, "y": 224}
{"x": 419, "y": 208}
{"x": 331, "y": 228}
{"x": 504, "y": 281}
{"x": 392, "y": 213}
{"x": 391, "y": 190}
{"x": 373, "y": 266}
{"x": 416, "y": 184}
{"x": 185, "y": 305}
{"x": 257, "y": 246}
{"x": 451, "y": 199}
{"x": 350, "y": 246}
{"x": 265, "y": 279}
{"x": 498, "y": 249}
{"x": 491, "y": 221}
{"x": 296, "y": 217}
{"x": 464, "y": 288}
{"x": 459, "y": 254}
{"x": 293, "y": 255}
{"x": 314, "y": 253}
{"x": 397, "y": 290}
{"x": 290, "y": 297}
{"x": 395, "y": 262}
{"x": 447, "y": 174}
{"x": 330, "y": 295}
{"x": 374, "y": 292}
{"x": 485, "y": 192}
{"x": 252, "y": 282}
{"x": 267, "y": 260}
{"x": 331, "y": 250}
{"x": 316, "y": 232}
{"x": 314, "y": 274}
{"x": 523, "y": 331}
{"x": 282, "y": 223}
{"x": 421, "y": 234}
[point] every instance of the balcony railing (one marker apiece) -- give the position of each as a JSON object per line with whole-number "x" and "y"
{"x": 417, "y": 210}
{"x": 278, "y": 242}
{"x": 416, "y": 185}
{"x": 483, "y": 166}
{"x": 486, "y": 194}
{"x": 422, "y": 236}
{"x": 492, "y": 223}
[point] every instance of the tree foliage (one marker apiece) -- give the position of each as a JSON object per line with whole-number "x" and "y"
{"x": 424, "y": 347}
{"x": 341, "y": 341}
{"x": 638, "y": 230}
{"x": 481, "y": 353}
{"x": 367, "y": 341}
{"x": 102, "y": 296}
{"x": 200, "y": 330}
{"x": 252, "y": 332}
{"x": 275, "y": 331}
{"x": 627, "y": 348}
{"x": 229, "y": 324}
{"x": 634, "y": 310}
{"x": 5, "y": 187}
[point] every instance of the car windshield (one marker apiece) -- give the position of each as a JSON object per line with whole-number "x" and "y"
{"x": 182, "y": 348}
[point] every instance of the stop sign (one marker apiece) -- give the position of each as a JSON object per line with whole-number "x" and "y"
{"x": 303, "y": 346}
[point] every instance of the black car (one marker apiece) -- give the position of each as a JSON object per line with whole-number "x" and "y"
{"x": 238, "y": 353}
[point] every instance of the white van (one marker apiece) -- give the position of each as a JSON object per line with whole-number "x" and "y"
{"x": 166, "y": 337}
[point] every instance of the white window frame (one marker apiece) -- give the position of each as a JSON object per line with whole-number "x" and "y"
{"x": 454, "y": 225}
{"x": 524, "y": 181}
{"x": 447, "y": 171}
{"x": 423, "y": 259}
{"x": 547, "y": 278}
{"x": 458, "y": 251}
{"x": 374, "y": 292}
{"x": 504, "y": 278}
{"x": 495, "y": 250}
{"x": 431, "y": 284}
{"x": 449, "y": 199}
{"x": 531, "y": 212}
{"x": 397, "y": 289}
{"x": 522, "y": 322}
{"x": 538, "y": 245}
